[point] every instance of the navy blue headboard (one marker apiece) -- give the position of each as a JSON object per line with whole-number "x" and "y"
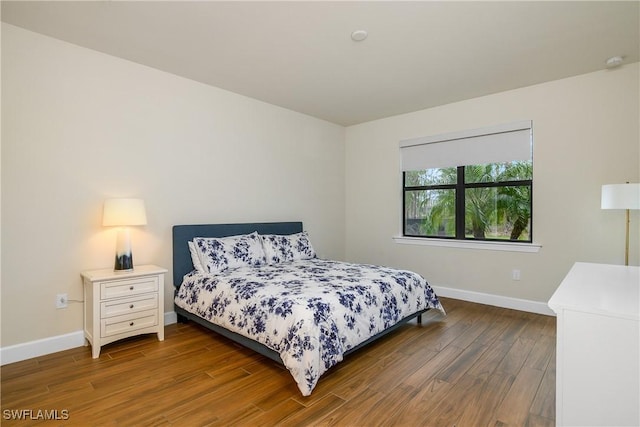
{"x": 183, "y": 233}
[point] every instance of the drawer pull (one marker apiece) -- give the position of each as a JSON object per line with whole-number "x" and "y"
{"x": 131, "y": 324}
{"x": 131, "y": 306}
{"x": 130, "y": 288}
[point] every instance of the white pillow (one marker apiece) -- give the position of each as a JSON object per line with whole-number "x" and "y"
{"x": 195, "y": 258}
{"x": 286, "y": 248}
{"x": 220, "y": 253}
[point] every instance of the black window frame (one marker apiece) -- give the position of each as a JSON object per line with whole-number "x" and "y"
{"x": 460, "y": 188}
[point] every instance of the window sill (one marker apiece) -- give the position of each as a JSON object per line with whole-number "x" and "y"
{"x": 468, "y": 244}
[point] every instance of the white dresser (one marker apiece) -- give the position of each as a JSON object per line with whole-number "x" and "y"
{"x": 122, "y": 304}
{"x": 598, "y": 346}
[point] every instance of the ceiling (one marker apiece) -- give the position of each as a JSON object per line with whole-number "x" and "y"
{"x": 300, "y": 56}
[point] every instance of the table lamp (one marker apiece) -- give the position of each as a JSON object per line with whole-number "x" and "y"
{"x": 123, "y": 213}
{"x": 622, "y": 196}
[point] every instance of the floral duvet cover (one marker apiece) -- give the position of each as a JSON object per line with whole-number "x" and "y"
{"x": 309, "y": 311}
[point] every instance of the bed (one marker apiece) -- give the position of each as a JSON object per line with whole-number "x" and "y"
{"x": 270, "y": 293}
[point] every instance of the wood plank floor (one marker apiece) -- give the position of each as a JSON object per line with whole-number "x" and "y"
{"x": 478, "y": 366}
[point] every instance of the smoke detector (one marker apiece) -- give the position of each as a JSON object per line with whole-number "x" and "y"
{"x": 359, "y": 35}
{"x": 614, "y": 61}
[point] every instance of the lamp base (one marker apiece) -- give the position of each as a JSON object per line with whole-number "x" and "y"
{"x": 626, "y": 242}
{"x": 124, "y": 257}
{"x": 123, "y": 262}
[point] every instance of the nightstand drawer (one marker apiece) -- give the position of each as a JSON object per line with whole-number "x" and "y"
{"x": 125, "y": 288}
{"x": 128, "y": 305}
{"x": 129, "y": 322}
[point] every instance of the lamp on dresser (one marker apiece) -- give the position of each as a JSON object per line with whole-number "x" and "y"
{"x": 622, "y": 196}
{"x": 123, "y": 213}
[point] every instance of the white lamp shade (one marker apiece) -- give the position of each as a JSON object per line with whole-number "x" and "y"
{"x": 124, "y": 212}
{"x": 621, "y": 196}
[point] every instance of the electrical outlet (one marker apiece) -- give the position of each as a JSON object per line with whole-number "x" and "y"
{"x": 61, "y": 301}
{"x": 515, "y": 274}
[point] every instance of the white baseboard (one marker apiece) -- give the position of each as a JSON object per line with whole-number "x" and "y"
{"x": 28, "y": 350}
{"x": 31, "y": 349}
{"x": 170, "y": 318}
{"x": 495, "y": 300}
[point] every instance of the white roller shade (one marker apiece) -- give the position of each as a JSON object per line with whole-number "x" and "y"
{"x": 504, "y": 143}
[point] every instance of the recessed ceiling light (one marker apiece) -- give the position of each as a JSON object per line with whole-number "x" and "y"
{"x": 614, "y": 61}
{"x": 358, "y": 35}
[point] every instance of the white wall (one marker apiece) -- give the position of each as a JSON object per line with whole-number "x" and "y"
{"x": 585, "y": 135}
{"x": 80, "y": 126}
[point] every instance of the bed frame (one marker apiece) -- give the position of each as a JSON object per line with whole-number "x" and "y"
{"x": 182, "y": 265}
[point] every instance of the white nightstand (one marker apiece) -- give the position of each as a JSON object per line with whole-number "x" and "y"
{"x": 122, "y": 304}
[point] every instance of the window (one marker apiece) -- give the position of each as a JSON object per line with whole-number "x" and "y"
{"x": 474, "y": 185}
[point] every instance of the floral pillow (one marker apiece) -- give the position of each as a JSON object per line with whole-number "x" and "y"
{"x": 294, "y": 247}
{"x": 220, "y": 253}
{"x": 195, "y": 258}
